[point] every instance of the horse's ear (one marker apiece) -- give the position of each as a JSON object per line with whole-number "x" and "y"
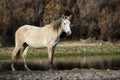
{"x": 63, "y": 16}
{"x": 69, "y": 17}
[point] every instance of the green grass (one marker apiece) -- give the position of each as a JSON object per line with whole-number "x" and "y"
{"x": 73, "y": 54}
{"x": 5, "y": 56}
{"x": 65, "y": 54}
{"x": 87, "y": 53}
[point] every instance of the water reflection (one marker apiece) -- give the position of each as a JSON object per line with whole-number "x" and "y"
{"x": 62, "y": 63}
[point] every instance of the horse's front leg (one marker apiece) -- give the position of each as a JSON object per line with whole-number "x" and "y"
{"x": 50, "y": 57}
{"x": 51, "y": 50}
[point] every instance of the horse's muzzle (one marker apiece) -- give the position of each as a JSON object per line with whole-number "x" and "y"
{"x": 69, "y": 33}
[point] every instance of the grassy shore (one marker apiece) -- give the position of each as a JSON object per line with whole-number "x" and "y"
{"x": 68, "y": 57}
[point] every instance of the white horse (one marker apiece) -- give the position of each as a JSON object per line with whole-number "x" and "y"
{"x": 48, "y": 36}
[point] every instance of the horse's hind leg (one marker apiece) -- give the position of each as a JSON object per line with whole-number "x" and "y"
{"x": 14, "y": 53}
{"x": 24, "y": 56}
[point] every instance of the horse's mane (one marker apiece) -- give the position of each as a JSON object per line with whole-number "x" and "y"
{"x": 57, "y": 24}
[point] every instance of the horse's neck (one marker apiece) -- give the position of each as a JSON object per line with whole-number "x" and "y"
{"x": 57, "y": 24}
{"x": 54, "y": 33}
{"x": 56, "y": 28}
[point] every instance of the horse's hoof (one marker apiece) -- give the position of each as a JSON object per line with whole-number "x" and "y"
{"x": 28, "y": 69}
{"x": 13, "y": 70}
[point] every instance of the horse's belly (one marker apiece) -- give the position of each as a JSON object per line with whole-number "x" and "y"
{"x": 36, "y": 44}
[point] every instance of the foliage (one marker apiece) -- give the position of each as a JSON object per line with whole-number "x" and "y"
{"x": 15, "y": 13}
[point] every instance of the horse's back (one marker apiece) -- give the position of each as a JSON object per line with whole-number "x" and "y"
{"x": 26, "y": 28}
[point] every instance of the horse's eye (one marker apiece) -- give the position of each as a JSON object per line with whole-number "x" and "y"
{"x": 64, "y": 23}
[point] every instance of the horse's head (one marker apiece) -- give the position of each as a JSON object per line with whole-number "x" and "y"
{"x": 66, "y": 24}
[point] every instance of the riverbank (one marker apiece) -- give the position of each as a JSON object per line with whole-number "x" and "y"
{"x": 74, "y": 74}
